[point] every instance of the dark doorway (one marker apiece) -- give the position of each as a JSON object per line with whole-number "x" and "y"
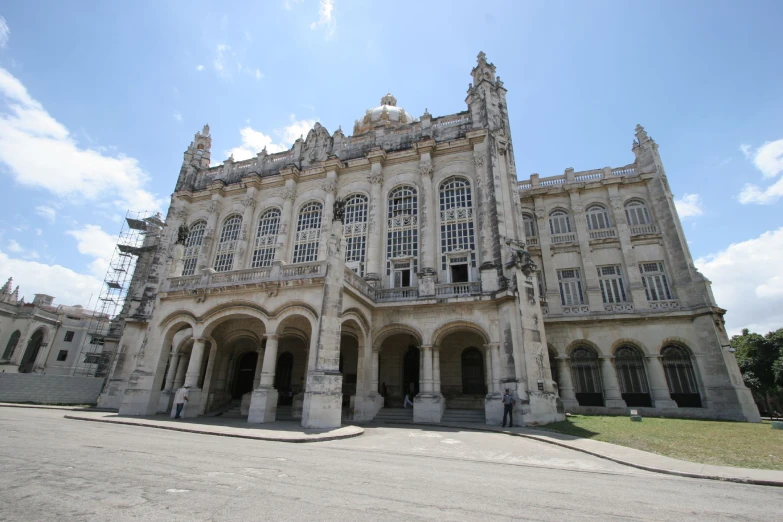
{"x": 31, "y": 353}
{"x": 283, "y": 370}
{"x": 410, "y": 371}
{"x": 245, "y": 374}
{"x": 459, "y": 273}
{"x": 473, "y": 372}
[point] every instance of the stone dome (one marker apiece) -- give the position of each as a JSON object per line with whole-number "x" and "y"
{"x": 387, "y": 113}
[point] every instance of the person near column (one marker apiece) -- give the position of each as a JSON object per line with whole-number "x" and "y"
{"x": 180, "y": 398}
{"x": 407, "y": 401}
{"x": 508, "y": 405}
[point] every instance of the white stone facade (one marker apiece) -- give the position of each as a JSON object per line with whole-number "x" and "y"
{"x": 278, "y": 298}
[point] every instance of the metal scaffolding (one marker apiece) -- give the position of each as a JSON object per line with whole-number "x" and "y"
{"x": 101, "y": 344}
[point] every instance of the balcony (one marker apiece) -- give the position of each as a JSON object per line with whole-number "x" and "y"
{"x": 410, "y": 293}
{"x": 405, "y": 293}
{"x": 664, "y": 306}
{"x": 558, "y": 239}
{"x": 532, "y": 241}
{"x": 644, "y": 230}
{"x": 604, "y": 233}
{"x": 252, "y": 276}
{"x": 458, "y": 289}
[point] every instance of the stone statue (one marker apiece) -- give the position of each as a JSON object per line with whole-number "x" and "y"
{"x": 520, "y": 257}
{"x": 338, "y": 209}
{"x": 182, "y": 234}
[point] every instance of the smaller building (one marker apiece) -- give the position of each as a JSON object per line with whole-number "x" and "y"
{"x": 40, "y": 337}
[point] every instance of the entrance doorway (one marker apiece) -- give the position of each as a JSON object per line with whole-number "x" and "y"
{"x": 410, "y": 372}
{"x": 31, "y": 353}
{"x": 245, "y": 374}
{"x": 473, "y": 372}
{"x": 283, "y": 372}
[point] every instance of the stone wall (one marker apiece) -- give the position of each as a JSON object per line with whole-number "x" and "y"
{"x": 49, "y": 389}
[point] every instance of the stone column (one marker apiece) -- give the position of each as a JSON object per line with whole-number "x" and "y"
{"x": 247, "y": 238}
{"x": 497, "y": 371}
{"x": 488, "y": 370}
{"x": 263, "y": 401}
{"x": 211, "y": 234}
{"x": 376, "y": 215}
{"x": 436, "y": 369}
{"x": 429, "y": 246}
{"x": 427, "y": 406}
{"x": 194, "y": 364}
{"x": 612, "y": 396}
{"x": 659, "y": 389}
{"x": 427, "y": 380}
{"x": 172, "y": 373}
{"x": 374, "y": 377}
{"x": 208, "y": 375}
{"x": 182, "y": 366}
{"x": 259, "y": 366}
{"x": 329, "y": 186}
{"x": 566, "y": 383}
{"x": 286, "y": 216}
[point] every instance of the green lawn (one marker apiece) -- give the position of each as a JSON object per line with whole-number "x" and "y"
{"x": 739, "y": 444}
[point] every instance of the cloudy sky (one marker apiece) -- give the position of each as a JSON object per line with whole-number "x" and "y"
{"x": 98, "y": 100}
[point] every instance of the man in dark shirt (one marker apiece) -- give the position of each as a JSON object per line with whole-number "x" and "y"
{"x": 508, "y": 404}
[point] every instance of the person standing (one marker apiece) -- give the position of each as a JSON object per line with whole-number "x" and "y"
{"x": 508, "y": 406}
{"x": 407, "y": 401}
{"x": 180, "y": 398}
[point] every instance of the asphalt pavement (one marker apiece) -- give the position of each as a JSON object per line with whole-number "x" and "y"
{"x": 52, "y": 468}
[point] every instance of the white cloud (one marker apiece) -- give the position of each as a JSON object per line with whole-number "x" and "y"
{"x": 259, "y": 74}
{"x": 326, "y": 18}
{"x": 38, "y": 231}
{"x": 746, "y": 281}
{"x": 745, "y": 148}
{"x": 254, "y": 141}
{"x": 15, "y": 247}
{"x": 92, "y": 241}
{"x": 199, "y": 67}
{"x": 67, "y": 286}
{"x": 5, "y": 32}
{"x": 689, "y": 206}
{"x": 177, "y": 116}
{"x": 66, "y": 169}
{"x": 289, "y": 4}
{"x": 220, "y": 57}
{"x": 46, "y": 212}
{"x": 769, "y": 160}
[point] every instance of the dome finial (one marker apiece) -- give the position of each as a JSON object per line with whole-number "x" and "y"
{"x": 389, "y": 100}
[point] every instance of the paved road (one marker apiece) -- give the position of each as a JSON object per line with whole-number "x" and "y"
{"x": 57, "y": 469}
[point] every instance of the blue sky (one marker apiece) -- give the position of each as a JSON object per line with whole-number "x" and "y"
{"x": 98, "y": 100}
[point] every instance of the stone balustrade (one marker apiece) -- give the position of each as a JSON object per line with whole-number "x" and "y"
{"x": 246, "y": 277}
{"x": 604, "y": 233}
{"x": 531, "y": 241}
{"x": 576, "y": 177}
{"x": 457, "y": 289}
{"x": 563, "y": 238}
{"x": 642, "y": 230}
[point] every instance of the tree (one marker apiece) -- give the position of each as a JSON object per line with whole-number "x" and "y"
{"x": 760, "y": 359}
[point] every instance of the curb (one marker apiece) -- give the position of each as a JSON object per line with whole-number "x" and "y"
{"x": 54, "y": 407}
{"x": 205, "y": 432}
{"x": 664, "y": 471}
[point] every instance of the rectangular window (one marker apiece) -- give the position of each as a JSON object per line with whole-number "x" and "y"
{"x": 541, "y": 285}
{"x": 224, "y": 262}
{"x": 263, "y": 257}
{"x": 655, "y": 283}
{"x": 611, "y": 281}
{"x": 62, "y": 355}
{"x": 402, "y": 275}
{"x": 459, "y": 269}
{"x": 68, "y": 337}
{"x": 570, "y": 287}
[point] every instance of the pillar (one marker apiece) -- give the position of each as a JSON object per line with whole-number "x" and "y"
{"x": 210, "y": 234}
{"x": 612, "y": 396}
{"x": 659, "y": 388}
{"x": 566, "y": 383}
{"x": 376, "y": 215}
{"x": 247, "y": 238}
{"x": 286, "y": 216}
{"x": 436, "y": 369}
{"x": 374, "y": 377}
{"x": 329, "y": 186}
{"x": 208, "y": 375}
{"x": 194, "y": 364}
{"x": 259, "y": 366}
{"x": 263, "y": 401}
{"x": 427, "y": 380}
{"x": 427, "y": 406}
{"x": 494, "y": 349}
{"x": 270, "y": 361}
{"x": 172, "y": 373}
{"x": 427, "y": 215}
{"x": 488, "y": 370}
{"x": 182, "y": 366}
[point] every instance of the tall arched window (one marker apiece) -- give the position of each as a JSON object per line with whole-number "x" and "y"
{"x": 637, "y": 213}
{"x": 456, "y": 229}
{"x": 193, "y": 247}
{"x": 473, "y": 372}
{"x": 559, "y": 222}
{"x": 530, "y": 225}
{"x": 266, "y": 238}
{"x": 402, "y": 236}
{"x": 633, "y": 379}
{"x": 597, "y": 217}
{"x": 227, "y": 245}
{"x": 587, "y": 377}
{"x": 308, "y": 233}
{"x": 11, "y": 346}
{"x": 355, "y": 232}
{"x": 680, "y": 377}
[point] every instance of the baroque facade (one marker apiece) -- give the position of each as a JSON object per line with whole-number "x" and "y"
{"x": 330, "y": 279}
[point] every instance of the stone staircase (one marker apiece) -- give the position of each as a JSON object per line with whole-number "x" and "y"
{"x": 463, "y": 417}
{"x": 233, "y": 412}
{"x": 394, "y": 415}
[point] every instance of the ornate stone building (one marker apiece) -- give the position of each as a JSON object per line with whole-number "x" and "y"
{"x": 327, "y": 281}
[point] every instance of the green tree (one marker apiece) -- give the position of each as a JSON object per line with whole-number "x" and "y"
{"x": 760, "y": 359}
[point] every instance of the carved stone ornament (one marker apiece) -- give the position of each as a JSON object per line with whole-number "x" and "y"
{"x": 577, "y": 209}
{"x": 425, "y": 169}
{"x": 249, "y": 202}
{"x": 182, "y": 234}
{"x": 289, "y": 193}
{"x": 375, "y": 178}
{"x": 338, "y": 209}
{"x": 213, "y": 207}
{"x": 329, "y": 186}
{"x": 181, "y": 213}
{"x": 540, "y": 213}
{"x": 520, "y": 257}
{"x": 617, "y": 204}
{"x": 479, "y": 159}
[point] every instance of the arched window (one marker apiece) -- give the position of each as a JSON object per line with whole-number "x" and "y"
{"x": 456, "y": 229}
{"x": 27, "y": 364}
{"x": 559, "y": 222}
{"x": 402, "y": 237}
{"x": 193, "y": 247}
{"x": 587, "y": 377}
{"x": 308, "y": 233}
{"x": 227, "y": 246}
{"x": 266, "y": 238}
{"x": 633, "y": 379}
{"x": 680, "y": 377}
{"x": 355, "y": 232}
{"x": 597, "y": 217}
{"x": 637, "y": 214}
{"x": 473, "y": 372}
{"x": 530, "y": 225}
{"x": 11, "y": 346}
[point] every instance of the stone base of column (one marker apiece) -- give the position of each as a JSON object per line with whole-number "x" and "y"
{"x": 664, "y": 404}
{"x": 139, "y": 402}
{"x": 323, "y": 400}
{"x": 489, "y": 278}
{"x": 493, "y": 410}
{"x": 427, "y": 282}
{"x": 569, "y": 404}
{"x": 244, "y": 405}
{"x": 297, "y": 405}
{"x": 428, "y": 408}
{"x": 373, "y": 279}
{"x": 365, "y": 408}
{"x": 193, "y": 406}
{"x": 165, "y": 401}
{"x": 540, "y": 409}
{"x": 263, "y": 406}
{"x": 615, "y": 403}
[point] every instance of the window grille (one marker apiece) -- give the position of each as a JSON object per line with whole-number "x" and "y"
{"x": 559, "y": 222}
{"x": 611, "y": 280}
{"x": 597, "y": 217}
{"x": 680, "y": 377}
{"x": 355, "y": 231}
{"x": 586, "y": 377}
{"x": 224, "y": 261}
{"x": 530, "y": 225}
{"x": 308, "y": 233}
{"x": 655, "y": 283}
{"x": 193, "y": 247}
{"x": 68, "y": 337}
{"x": 456, "y": 219}
{"x": 630, "y": 370}
{"x": 637, "y": 213}
{"x": 266, "y": 238}
{"x": 11, "y": 346}
{"x": 570, "y": 287}
{"x": 402, "y": 233}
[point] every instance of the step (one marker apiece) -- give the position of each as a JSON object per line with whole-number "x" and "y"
{"x": 463, "y": 416}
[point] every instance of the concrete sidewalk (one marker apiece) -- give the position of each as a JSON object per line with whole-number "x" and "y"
{"x": 280, "y": 431}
